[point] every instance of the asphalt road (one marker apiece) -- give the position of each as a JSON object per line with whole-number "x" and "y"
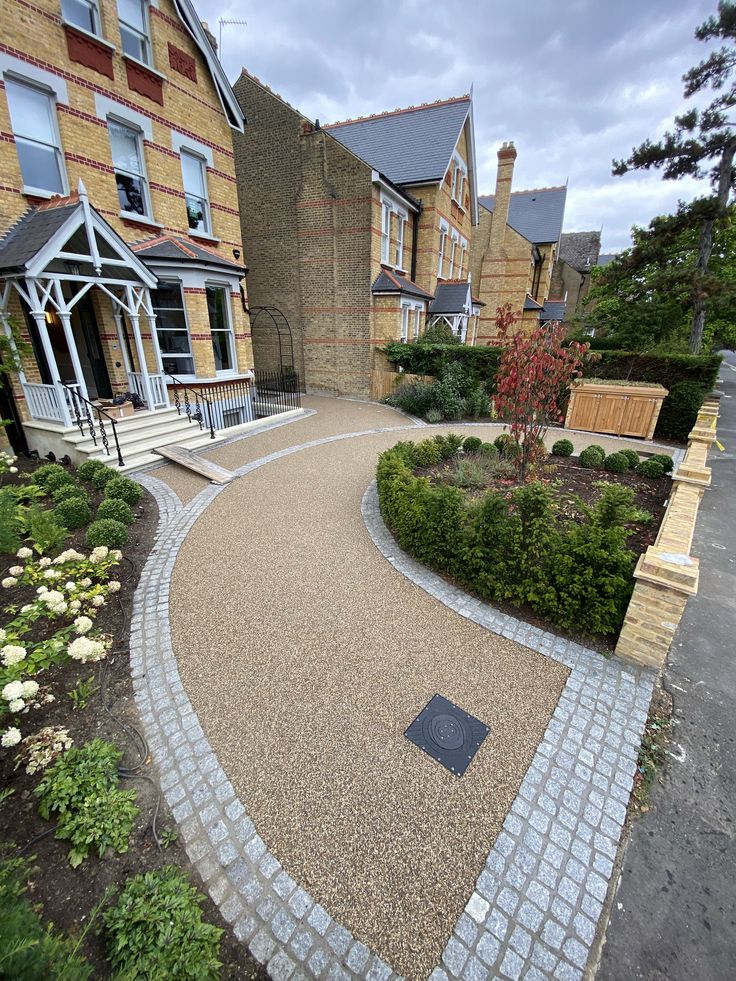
{"x": 674, "y": 915}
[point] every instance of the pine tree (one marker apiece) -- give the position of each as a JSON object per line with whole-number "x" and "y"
{"x": 702, "y": 144}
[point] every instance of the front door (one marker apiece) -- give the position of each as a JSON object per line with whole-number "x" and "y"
{"x": 90, "y": 350}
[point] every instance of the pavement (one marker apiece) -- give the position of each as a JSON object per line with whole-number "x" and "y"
{"x": 674, "y": 914}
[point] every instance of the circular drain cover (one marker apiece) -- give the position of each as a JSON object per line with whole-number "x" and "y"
{"x": 445, "y": 731}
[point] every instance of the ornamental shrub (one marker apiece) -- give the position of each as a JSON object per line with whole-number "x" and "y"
{"x": 115, "y": 508}
{"x": 477, "y": 403}
{"x": 598, "y": 449}
{"x": 448, "y": 392}
{"x": 563, "y": 447}
{"x": 433, "y": 416}
{"x": 427, "y": 453}
{"x": 469, "y": 473}
{"x": 502, "y": 441}
{"x": 632, "y": 456}
{"x": 69, "y": 490}
{"x": 106, "y": 531}
{"x": 591, "y": 459}
{"x": 616, "y": 463}
{"x": 125, "y": 489}
{"x": 415, "y": 397}
{"x": 680, "y": 410}
{"x": 102, "y": 476}
{"x": 74, "y": 512}
{"x": 650, "y": 468}
{"x": 156, "y": 930}
{"x": 490, "y": 450}
{"x": 449, "y": 445}
{"x": 50, "y": 476}
{"x": 472, "y": 444}
{"x": 666, "y": 461}
{"x": 89, "y": 468}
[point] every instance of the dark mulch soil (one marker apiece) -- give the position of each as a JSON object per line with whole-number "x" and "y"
{"x": 68, "y": 895}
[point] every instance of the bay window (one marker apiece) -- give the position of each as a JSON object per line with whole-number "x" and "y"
{"x": 171, "y": 328}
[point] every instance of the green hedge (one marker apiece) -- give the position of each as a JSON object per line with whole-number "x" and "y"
{"x": 512, "y": 547}
{"x": 664, "y": 369}
{"x": 480, "y": 363}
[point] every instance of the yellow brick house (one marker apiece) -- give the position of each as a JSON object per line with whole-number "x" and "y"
{"x": 121, "y": 270}
{"x": 358, "y": 231}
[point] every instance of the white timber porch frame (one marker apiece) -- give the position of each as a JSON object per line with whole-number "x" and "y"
{"x": 42, "y": 289}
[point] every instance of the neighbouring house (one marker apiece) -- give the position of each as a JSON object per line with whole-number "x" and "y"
{"x": 357, "y": 232}
{"x": 120, "y": 239}
{"x": 578, "y": 254}
{"x": 514, "y": 249}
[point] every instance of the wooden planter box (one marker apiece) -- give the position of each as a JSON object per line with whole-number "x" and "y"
{"x": 620, "y": 408}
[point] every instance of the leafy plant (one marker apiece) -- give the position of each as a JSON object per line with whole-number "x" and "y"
{"x": 81, "y": 790}
{"x": 680, "y": 410}
{"x": 156, "y": 930}
{"x": 632, "y": 456}
{"x": 449, "y": 444}
{"x": 88, "y": 469}
{"x": 44, "y": 531}
{"x": 616, "y": 463}
{"x": 416, "y": 398}
{"x": 469, "y": 473}
{"x": 433, "y": 415}
{"x": 50, "y": 476}
{"x": 124, "y": 489}
{"x": 106, "y": 531}
{"x": 472, "y": 444}
{"x": 650, "y": 468}
{"x": 102, "y": 475}
{"x": 74, "y": 512}
{"x": 83, "y": 692}
{"x": 115, "y": 508}
{"x": 666, "y": 461}
{"x": 66, "y": 491}
{"x": 563, "y": 447}
{"x": 10, "y": 526}
{"x": 591, "y": 459}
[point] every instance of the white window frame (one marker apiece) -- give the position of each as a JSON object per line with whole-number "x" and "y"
{"x": 454, "y": 239}
{"x": 459, "y": 176}
{"x": 207, "y": 214}
{"x": 147, "y": 217}
{"x": 221, "y": 285}
{"x": 444, "y": 232}
{"x": 144, "y": 36}
{"x": 166, "y": 281}
{"x": 463, "y": 254}
{"x": 51, "y": 99}
{"x": 94, "y": 8}
{"x": 417, "y": 322}
{"x": 400, "y": 227}
{"x": 385, "y": 233}
{"x": 409, "y": 307}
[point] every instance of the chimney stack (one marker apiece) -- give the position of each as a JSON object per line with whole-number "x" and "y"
{"x": 504, "y": 178}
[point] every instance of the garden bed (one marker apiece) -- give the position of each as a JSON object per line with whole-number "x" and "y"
{"x": 93, "y": 701}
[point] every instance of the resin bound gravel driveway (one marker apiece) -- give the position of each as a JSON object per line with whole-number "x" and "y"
{"x": 305, "y": 656}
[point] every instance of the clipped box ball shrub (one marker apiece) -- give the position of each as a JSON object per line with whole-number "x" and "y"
{"x": 101, "y": 477}
{"x": 502, "y": 441}
{"x": 449, "y": 445}
{"x": 74, "y": 512}
{"x": 69, "y": 490}
{"x": 591, "y": 458}
{"x": 563, "y": 447}
{"x": 51, "y": 476}
{"x": 427, "y": 453}
{"x": 115, "y": 508}
{"x": 472, "y": 444}
{"x": 125, "y": 489}
{"x": 490, "y": 450}
{"x": 616, "y": 463}
{"x": 650, "y": 468}
{"x": 632, "y": 456}
{"x": 666, "y": 461}
{"x": 107, "y": 531}
{"x": 89, "y": 468}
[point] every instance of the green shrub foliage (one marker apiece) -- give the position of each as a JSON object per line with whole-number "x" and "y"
{"x": 502, "y": 442}
{"x": 563, "y": 447}
{"x": 449, "y": 445}
{"x": 591, "y": 458}
{"x": 125, "y": 489}
{"x": 680, "y": 410}
{"x": 666, "y": 461}
{"x": 30, "y": 949}
{"x": 89, "y": 468}
{"x": 69, "y": 490}
{"x": 101, "y": 477}
{"x": 632, "y": 456}
{"x": 156, "y": 930}
{"x": 433, "y": 415}
{"x": 598, "y": 449}
{"x": 512, "y": 546}
{"x": 113, "y": 507}
{"x": 616, "y": 463}
{"x": 107, "y": 531}
{"x": 50, "y": 476}
{"x": 650, "y": 468}
{"x": 74, "y": 512}
{"x": 472, "y": 444}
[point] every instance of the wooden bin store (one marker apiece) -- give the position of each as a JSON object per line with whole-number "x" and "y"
{"x": 621, "y": 409}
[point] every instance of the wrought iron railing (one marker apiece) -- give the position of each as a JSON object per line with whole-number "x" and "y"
{"x": 275, "y": 392}
{"x": 199, "y": 401}
{"x": 80, "y": 407}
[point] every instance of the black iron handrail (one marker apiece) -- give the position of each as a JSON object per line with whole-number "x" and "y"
{"x": 195, "y": 416}
{"x": 79, "y": 401}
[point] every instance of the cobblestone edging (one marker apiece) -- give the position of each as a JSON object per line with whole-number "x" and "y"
{"x": 535, "y": 907}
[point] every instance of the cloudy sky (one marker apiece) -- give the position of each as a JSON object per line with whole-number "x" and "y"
{"x": 574, "y": 82}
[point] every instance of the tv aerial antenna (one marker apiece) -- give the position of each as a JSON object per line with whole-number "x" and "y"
{"x": 228, "y": 23}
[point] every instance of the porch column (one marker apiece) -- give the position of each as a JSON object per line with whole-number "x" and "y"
{"x": 151, "y": 319}
{"x": 39, "y": 317}
{"x": 66, "y": 323}
{"x": 135, "y": 325}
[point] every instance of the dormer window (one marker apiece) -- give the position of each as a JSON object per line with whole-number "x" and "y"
{"x": 134, "y": 30}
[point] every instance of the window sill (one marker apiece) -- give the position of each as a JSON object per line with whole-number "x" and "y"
{"x": 103, "y": 43}
{"x": 212, "y": 239}
{"x": 137, "y": 219}
{"x": 144, "y": 67}
{"x": 36, "y": 192}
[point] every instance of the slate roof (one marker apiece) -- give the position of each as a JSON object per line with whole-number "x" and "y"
{"x": 531, "y": 304}
{"x": 554, "y": 310}
{"x": 390, "y": 282}
{"x": 535, "y": 214}
{"x": 580, "y": 249}
{"x": 450, "y": 298}
{"x": 605, "y": 257}
{"x": 181, "y": 249}
{"x": 33, "y": 230}
{"x": 409, "y": 146}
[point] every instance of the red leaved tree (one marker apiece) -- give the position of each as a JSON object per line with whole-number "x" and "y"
{"x": 533, "y": 376}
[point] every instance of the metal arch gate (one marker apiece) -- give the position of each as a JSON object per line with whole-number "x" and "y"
{"x": 273, "y": 342}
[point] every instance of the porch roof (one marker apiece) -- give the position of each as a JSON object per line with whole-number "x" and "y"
{"x": 32, "y": 231}
{"x": 179, "y": 249}
{"x": 451, "y": 298}
{"x": 388, "y": 281}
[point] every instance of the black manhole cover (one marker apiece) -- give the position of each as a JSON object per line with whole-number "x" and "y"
{"x": 447, "y": 734}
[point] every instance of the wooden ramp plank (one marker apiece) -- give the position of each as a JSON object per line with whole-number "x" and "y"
{"x": 186, "y": 458}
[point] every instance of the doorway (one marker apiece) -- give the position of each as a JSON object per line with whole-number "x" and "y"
{"x": 89, "y": 347}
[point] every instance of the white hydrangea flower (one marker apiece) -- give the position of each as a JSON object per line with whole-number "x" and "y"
{"x": 51, "y": 574}
{"x": 113, "y": 586}
{"x": 54, "y": 600}
{"x": 26, "y": 608}
{"x": 30, "y": 689}
{"x": 42, "y": 589}
{"x": 82, "y": 625}
{"x": 99, "y": 554}
{"x": 13, "y": 469}
{"x": 70, "y": 555}
{"x": 24, "y": 553}
{"x": 98, "y": 601}
{"x": 16, "y": 705}
{"x": 16, "y": 570}
{"x": 9, "y": 581}
{"x": 85, "y": 583}
{"x": 12, "y": 654}
{"x": 11, "y": 737}
{"x": 45, "y": 562}
{"x": 13, "y": 689}
{"x": 85, "y": 649}
{"x": 70, "y": 585}
{"x": 3, "y": 636}
{"x": 47, "y": 699}
{"x": 116, "y": 554}
{"x": 75, "y": 605}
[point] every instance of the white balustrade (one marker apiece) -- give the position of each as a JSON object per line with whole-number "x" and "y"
{"x": 43, "y": 402}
